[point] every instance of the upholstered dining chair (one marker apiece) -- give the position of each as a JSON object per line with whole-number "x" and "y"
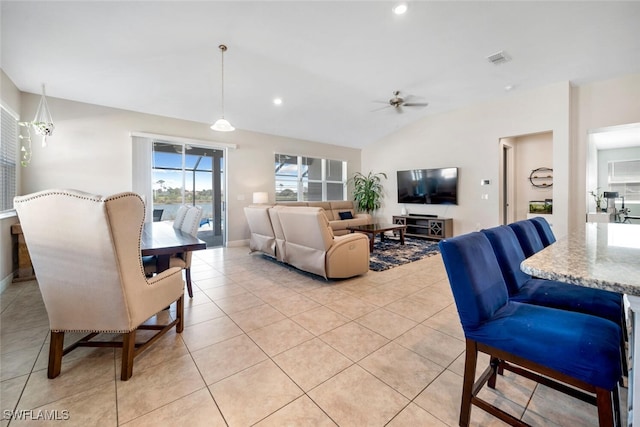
{"x": 190, "y": 222}
{"x": 550, "y": 293}
{"x": 180, "y": 214}
{"x": 527, "y": 236}
{"x": 544, "y": 230}
{"x": 86, "y": 256}
{"x": 572, "y": 352}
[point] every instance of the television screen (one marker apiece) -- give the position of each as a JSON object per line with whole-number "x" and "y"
{"x": 428, "y": 186}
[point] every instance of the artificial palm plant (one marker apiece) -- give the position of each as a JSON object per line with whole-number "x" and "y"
{"x": 367, "y": 191}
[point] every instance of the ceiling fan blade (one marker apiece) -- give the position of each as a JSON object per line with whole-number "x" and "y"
{"x": 415, "y": 104}
{"x": 381, "y": 108}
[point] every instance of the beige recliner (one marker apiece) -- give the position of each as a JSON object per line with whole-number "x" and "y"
{"x": 85, "y": 251}
{"x": 309, "y": 244}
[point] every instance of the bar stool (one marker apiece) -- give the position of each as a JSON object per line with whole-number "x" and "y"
{"x": 544, "y": 230}
{"x": 562, "y": 349}
{"x": 527, "y": 236}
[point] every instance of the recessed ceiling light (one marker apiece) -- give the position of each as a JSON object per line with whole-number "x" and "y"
{"x": 400, "y": 8}
{"x": 508, "y": 88}
{"x": 277, "y": 101}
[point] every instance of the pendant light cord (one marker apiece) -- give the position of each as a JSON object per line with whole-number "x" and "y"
{"x": 223, "y": 48}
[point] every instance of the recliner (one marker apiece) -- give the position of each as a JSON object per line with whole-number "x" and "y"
{"x": 550, "y": 344}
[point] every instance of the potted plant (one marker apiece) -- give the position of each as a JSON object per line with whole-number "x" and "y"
{"x": 367, "y": 192}
{"x": 597, "y": 197}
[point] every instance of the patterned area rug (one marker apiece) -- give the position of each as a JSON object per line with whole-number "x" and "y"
{"x": 390, "y": 253}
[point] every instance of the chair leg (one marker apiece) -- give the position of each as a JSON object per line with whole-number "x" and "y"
{"x": 188, "y": 274}
{"x": 605, "y": 407}
{"x": 470, "y": 361}
{"x": 180, "y": 314}
{"x": 128, "y": 352}
{"x": 56, "y": 349}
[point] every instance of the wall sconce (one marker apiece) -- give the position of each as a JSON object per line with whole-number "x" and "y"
{"x": 261, "y": 197}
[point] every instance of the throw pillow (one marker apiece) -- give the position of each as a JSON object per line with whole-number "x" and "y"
{"x": 345, "y": 215}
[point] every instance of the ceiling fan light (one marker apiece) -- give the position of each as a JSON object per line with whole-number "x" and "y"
{"x": 222, "y": 125}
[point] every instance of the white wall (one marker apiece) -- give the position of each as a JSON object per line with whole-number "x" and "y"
{"x": 597, "y": 105}
{"x": 469, "y": 138}
{"x": 91, "y": 150}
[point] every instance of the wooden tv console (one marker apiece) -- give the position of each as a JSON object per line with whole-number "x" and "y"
{"x": 427, "y": 227}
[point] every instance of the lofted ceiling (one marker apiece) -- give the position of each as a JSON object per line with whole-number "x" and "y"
{"x": 328, "y": 61}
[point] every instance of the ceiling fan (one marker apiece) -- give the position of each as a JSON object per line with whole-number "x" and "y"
{"x": 398, "y": 101}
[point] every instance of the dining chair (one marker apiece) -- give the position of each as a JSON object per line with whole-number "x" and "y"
{"x": 189, "y": 224}
{"x": 86, "y": 256}
{"x": 544, "y": 230}
{"x": 575, "y": 353}
{"x": 157, "y": 214}
{"x": 550, "y": 293}
{"x": 180, "y": 214}
{"x": 527, "y": 236}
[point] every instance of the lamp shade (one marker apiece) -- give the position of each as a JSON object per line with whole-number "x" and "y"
{"x": 261, "y": 197}
{"x": 222, "y": 125}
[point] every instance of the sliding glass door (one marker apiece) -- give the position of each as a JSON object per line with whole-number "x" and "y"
{"x": 192, "y": 175}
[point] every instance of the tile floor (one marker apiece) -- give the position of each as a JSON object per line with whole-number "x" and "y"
{"x": 266, "y": 345}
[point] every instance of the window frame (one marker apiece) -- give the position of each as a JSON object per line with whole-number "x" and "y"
{"x": 302, "y": 178}
{"x": 9, "y": 164}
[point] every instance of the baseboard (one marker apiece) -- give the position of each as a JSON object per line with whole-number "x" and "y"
{"x": 6, "y": 282}
{"x": 237, "y": 243}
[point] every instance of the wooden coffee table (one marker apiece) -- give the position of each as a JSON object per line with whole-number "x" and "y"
{"x": 378, "y": 228}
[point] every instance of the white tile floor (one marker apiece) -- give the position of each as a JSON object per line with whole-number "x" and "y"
{"x": 266, "y": 345}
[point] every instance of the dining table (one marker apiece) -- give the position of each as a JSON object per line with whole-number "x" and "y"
{"x": 162, "y": 240}
{"x": 602, "y": 256}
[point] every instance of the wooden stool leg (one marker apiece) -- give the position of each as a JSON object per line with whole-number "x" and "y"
{"x": 605, "y": 407}
{"x": 56, "y": 349}
{"x": 470, "y": 361}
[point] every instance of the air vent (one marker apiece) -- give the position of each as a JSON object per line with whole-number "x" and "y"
{"x": 499, "y": 58}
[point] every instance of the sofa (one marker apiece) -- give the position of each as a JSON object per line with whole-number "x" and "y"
{"x": 333, "y": 210}
{"x": 302, "y": 237}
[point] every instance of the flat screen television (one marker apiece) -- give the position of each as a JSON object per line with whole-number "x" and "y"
{"x": 428, "y": 186}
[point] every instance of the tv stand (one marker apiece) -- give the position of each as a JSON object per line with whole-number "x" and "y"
{"x": 425, "y": 226}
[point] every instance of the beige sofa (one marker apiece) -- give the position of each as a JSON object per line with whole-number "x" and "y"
{"x": 302, "y": 237}
{"x": 332, "y": 210}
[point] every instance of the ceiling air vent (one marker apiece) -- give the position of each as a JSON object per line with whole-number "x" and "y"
{"x": 499, "y": 58}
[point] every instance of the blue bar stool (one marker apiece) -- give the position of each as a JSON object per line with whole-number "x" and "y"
{"x": 527, "y": 236}
{"x": 544, "y": 230}
{"x": 550, "y": 293}
{"x": 562, "y": 349}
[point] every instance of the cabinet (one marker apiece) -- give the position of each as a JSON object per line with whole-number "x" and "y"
{"x": 425, "y": 226}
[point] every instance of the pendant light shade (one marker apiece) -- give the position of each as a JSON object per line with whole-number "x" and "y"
{"x": 222, "y": 125}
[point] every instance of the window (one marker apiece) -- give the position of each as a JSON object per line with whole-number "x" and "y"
{"x": 624, "y": 178}
{"x": 300, "y": 178}
{"x": 8, "y": 156}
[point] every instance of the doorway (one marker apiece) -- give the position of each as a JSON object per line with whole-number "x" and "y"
{"x": 526, "y": 177}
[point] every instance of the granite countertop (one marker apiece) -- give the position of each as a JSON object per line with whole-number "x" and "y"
{"x": 603, "y": 256}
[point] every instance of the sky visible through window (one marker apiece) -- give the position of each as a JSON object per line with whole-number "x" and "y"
{"x": 164, "y": 179}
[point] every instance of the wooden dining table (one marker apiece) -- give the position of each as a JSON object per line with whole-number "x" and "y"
{"x": 162, "y": 240}
{"x": 603, "y": 256}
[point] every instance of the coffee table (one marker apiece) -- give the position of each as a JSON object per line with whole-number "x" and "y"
{"x": 378, "y": 228}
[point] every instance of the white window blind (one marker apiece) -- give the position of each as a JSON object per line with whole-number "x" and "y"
{"x": 624, "y": 178}
{"x": 8, "y": 157}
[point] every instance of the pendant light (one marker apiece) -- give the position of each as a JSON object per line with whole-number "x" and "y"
{"x": 222, "y": 125}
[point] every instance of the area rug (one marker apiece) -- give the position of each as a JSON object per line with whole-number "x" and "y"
{"x": 390, "y": 253}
